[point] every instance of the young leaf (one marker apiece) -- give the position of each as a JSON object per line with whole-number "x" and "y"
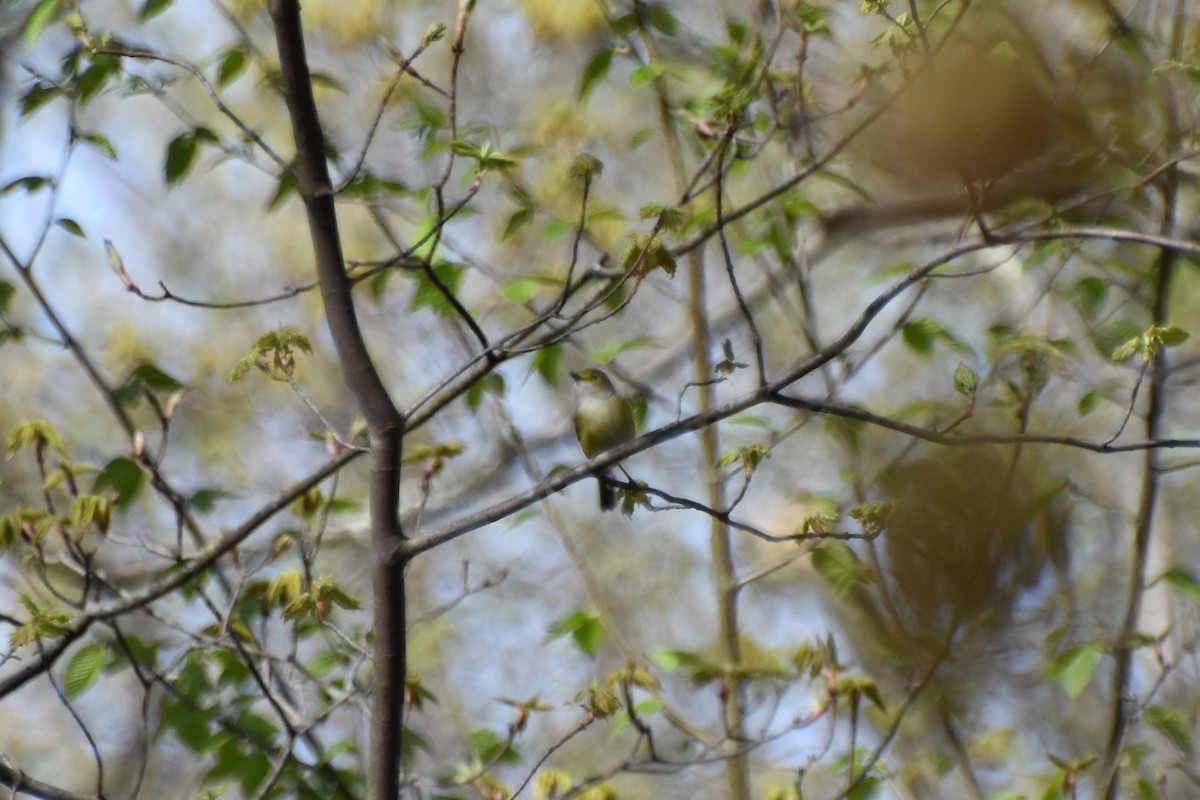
{"x": 670, "y": 660}
{"x": 586, "y": 168}
{"x": 840, "y": 566}
{"x": 596, "y": 69}
{"x": 1073, "y": 668}
{"x": 520, "y": 290}
{"x": 966, "y": 380}
{"x": 1184, "y": 582}
{"x": 584, "y": 628}
{"x": 37, "y": 20}
{"x": 83, "y": 668}
{"x": 551, "y": 783}
{"x": 1126, "y": 350}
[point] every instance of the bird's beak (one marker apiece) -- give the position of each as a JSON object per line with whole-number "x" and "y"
{"x": 575, "y": 376}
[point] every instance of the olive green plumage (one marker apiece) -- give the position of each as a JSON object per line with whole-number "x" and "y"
{"x": 603, "y": 420}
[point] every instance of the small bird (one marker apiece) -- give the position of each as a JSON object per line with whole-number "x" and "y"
{"x": 603, "y": 420}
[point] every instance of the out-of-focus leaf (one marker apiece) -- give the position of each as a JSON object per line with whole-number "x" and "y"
{"x": 152, "y": 8}
{"x": 1184, "y": 582}
{"x": 596, "y": 69}
{"x": 38, "y": 19}
{"x": 1073, "y": 668}
{"x": 584, "y": 628}
{"x": 840, "y": 566}
{"x": 123, "y": 477}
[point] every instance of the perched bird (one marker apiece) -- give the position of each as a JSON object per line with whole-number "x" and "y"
{"x": 603, "y": 420}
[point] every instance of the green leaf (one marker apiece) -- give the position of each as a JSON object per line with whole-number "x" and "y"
{"x": 671, "y": 660}
{"x": 91, "y": 509}
{"x": 556, "y": 228}
{"x": 44, "y": 623}
{"x": 37, "y": 96}
{"x": 624, "y": 24}
{"x": 840, "y": 566}
{"x": 647, "y": 73}
{"x": 520, "y": 290}
{"x": 866, "y": 788}
{"x": 281, "y": 345}
{"x": 1169, "y": 335}
{"x": 190, "y": 724}
{"x": 38, "y": 18}
{"x": 489, "y": 746}
{"x": 645, "y": 254}
{"x": 1172, "y": 723}
{"x": 1090, "y": 294}
{"x": 101, "y": 143}
{"x": 233, "y": 760}
{"x": 181, "y": 152}
{"x": 659, "y": 17}
{"x": 520, "y": 218}
{"x": 287, "y": 186}
{"x": 1184, "y": 582}
{"x": 96, "y": 76}
{"x": 922, "y": 333}
{"x": 231, "y": 64}
{"x": 596, "y": 69}
{"x": 749, "y": 457}
{"x": 492, "y": 382}
{"x": 433, "y": 33}
{"x": 423, "y": 237}
{"x": 1073, "y": 668}
{"x": 551, "y": 783}
{"x": 584, "y": 628}
{"x": 326, "y": 81}
{"x": 1087, "y": 404}
{"x": 1126, "y": 350}
{"x": 29, "y": 183}
{"x": 670, "y": 218}
{"x": 548, "y": 362}
{"x": 430, "y": 294}
{"x": 821, "y": 521}
{"x": 37, "y": 432}
{"x": 152, "y": 7}
{"x": 156, "y": 379}
{"x": 604, "y": 354}
{"x": 83, "y": 668}
{"x": 205, "y": 500}
{"x": 123, "y": 477}
{"x": 585, "y": 168}
{"x": 862, "y": 685}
